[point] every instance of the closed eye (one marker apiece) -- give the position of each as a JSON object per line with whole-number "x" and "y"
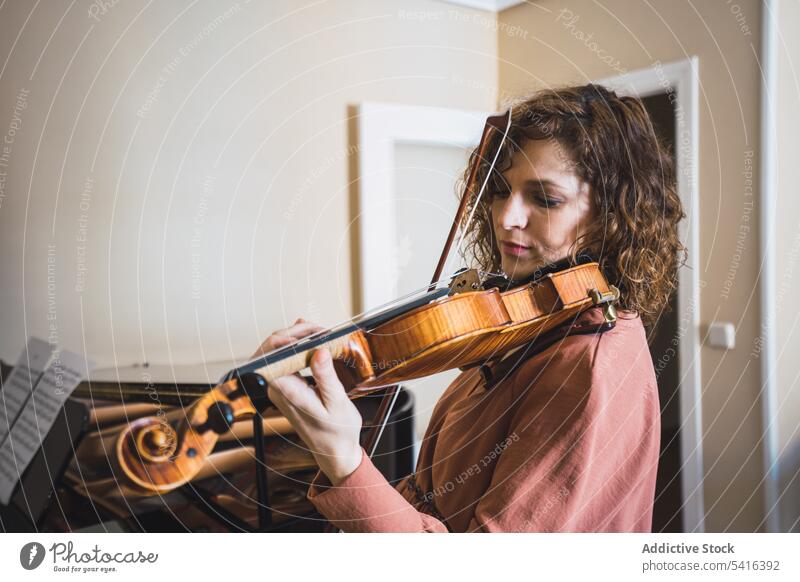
{"x": 545, "y": 201}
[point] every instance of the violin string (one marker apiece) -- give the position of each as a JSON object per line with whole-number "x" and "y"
{"x": 409, "y": 295}
{"x": 383, "y": 424}
{"x": 485, "y": 182}
{"x": 291, "y": 349}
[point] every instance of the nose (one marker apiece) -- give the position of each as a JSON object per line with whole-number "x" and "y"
{"x": 513, "y": 213}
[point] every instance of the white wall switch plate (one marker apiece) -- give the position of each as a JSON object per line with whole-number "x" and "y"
{"x": 722, "y": 335}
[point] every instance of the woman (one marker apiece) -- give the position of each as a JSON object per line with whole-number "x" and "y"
{"x": 566, "y": 439}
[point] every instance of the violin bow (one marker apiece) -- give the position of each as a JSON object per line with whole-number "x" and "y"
{"x": 499, "y": 123}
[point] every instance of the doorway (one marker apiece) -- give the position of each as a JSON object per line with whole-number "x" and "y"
{"x": 670, "y": 95}
{"x": 668, "y": 506}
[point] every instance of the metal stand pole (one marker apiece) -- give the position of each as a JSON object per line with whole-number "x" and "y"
{"x": 264, "y": 514}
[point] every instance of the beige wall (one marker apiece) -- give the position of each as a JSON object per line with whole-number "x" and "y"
{"x": 553, "y": 48}
{"x": 787, "y": 270}
{"x": 181, "y": 172}
{"x": 186, "y": 166}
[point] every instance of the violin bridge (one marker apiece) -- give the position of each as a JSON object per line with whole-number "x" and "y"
{"x": 466, "y": 280}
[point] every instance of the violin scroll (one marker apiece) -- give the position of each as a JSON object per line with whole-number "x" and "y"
{"x": 157, "y": 457}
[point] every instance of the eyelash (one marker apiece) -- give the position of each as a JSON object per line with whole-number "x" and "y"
{"x": 541, "y": 200}
{"x": 547, "y": 202}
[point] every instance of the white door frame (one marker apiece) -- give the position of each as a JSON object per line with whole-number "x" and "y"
{"x": 680, "y": 79}
{"x": 381, "y": 127}
{"x": 768, "y": 185}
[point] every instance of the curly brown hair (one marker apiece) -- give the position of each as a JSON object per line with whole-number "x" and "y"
{"x": 613, "y": 147}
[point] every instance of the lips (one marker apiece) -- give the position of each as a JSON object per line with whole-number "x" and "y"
{"x": 514, "y": 249}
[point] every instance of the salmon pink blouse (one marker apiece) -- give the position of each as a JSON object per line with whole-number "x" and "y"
{"x": 568, "y": 441}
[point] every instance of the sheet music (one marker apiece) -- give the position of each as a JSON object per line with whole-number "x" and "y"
{"x": 37, "y": 418}
{"x": 21, "y": 382}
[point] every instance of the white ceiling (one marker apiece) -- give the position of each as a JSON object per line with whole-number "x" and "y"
{"x": 488, "y": 5}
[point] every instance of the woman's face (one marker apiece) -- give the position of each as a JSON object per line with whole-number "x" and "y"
{"x": 544, "y": 209}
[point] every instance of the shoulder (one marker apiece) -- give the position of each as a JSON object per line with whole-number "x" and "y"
{"x": 582, "y": 363}
{"x": 596, "y": 384}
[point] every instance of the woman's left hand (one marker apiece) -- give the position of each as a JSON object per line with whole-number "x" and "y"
{"x": 323, "y": 416}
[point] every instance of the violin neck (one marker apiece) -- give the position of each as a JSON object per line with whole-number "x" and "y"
{"x": 291, "y": 364}
{"x": 351, "y": 348}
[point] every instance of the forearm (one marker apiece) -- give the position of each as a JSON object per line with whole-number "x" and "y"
{"x": 365, "y": 502}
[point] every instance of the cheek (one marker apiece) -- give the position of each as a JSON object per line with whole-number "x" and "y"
{"x": 556, "y": 227}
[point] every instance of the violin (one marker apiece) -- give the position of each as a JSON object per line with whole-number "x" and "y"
{"x": 460, "y": 324}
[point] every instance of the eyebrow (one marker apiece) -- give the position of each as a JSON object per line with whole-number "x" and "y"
{"x": 543, "y": 183}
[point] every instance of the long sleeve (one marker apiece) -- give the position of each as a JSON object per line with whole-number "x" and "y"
{"x": 569, "y": 443}
{"x": 366, "y": 502}
{"x": 583, "y": 444}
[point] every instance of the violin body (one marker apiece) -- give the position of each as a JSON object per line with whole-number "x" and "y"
{"x": 468, "y": 329}
{"x": 456, "y": 331}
